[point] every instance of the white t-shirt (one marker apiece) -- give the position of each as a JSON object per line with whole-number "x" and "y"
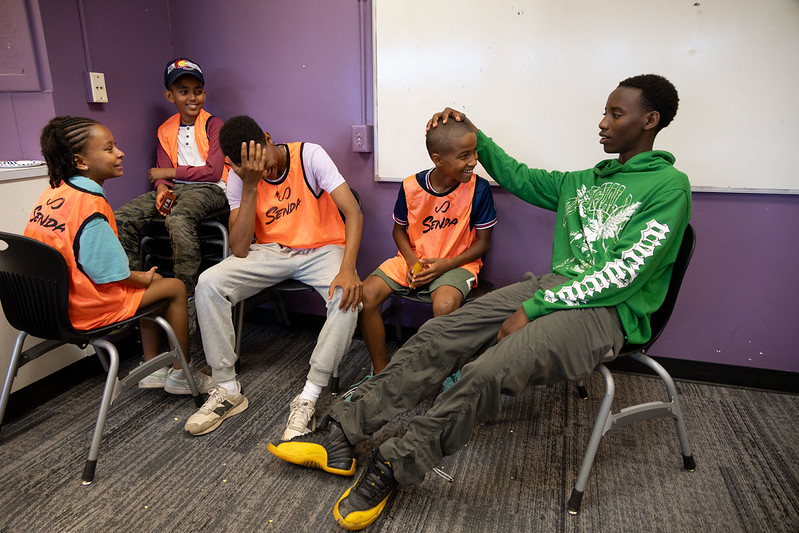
{"x": 320, "y": 173}
{"x": 189, "y": 154}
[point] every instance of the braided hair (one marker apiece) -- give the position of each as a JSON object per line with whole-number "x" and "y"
{"x": 61, "y": 139}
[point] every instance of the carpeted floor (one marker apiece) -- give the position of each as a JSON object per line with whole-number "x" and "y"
{"x": 515, "y": 475}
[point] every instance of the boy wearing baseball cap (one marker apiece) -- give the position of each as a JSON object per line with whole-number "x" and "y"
{"x": 188, "y": 184}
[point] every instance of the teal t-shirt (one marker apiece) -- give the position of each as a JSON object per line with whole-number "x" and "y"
{"x": 101, "y": 255}
{"x": 617, "y": 232}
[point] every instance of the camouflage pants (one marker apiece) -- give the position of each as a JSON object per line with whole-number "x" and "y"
{"x": 192, "y": 204}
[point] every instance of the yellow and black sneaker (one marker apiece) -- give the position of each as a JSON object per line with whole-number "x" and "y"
{"x": 327, "y": 448}
{"x": 364, "y": 501}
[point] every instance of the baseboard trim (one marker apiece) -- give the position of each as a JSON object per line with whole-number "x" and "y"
{"x": 716, "y": 373}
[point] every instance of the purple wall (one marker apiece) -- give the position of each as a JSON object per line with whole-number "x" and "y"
{"x": 130, "y": 43}
{"x": 295, "y": 67}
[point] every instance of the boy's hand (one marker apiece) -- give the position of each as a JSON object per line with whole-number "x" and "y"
{"x": 431, "y": 269}
{"x": 513, "y": 323}
{"x": 352, "y": 286}
{"x": 253, "y": 163}
{"x": 447, "y": 114}
{"x": 160, "y": 192}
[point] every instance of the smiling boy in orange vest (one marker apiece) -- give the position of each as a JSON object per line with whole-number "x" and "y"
{"x": 443, "y": 220}
{"x": 191, "y": 166}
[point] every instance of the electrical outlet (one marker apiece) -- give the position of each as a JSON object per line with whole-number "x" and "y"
{"x": 94, "y": 83}
{"x": 362, "y": 138}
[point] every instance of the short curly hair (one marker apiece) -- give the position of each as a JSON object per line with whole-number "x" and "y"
{"x": 441, "y": 138}
{"x": 236, "y": 131}
{"x": 657, "y": 94}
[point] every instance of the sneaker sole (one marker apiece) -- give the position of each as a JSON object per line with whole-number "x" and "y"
{"x": 307, "y": 454}
{"x": 151, "y": 386}
{"x": 359, "y": 519}
{"x": 233, "y": 411}
{"x": 186, "y": 389}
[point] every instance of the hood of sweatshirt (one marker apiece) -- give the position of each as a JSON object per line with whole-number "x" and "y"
{"x": 643, "y": 162}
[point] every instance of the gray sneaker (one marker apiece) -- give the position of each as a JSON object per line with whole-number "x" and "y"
{"x": 219, "y": 406}
{"x": 302, "y": 412}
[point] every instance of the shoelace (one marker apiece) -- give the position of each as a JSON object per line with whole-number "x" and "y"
{"x": 300, "y": 413}
{"x": 215, "y": 397}
{"x": 373, "y": 483}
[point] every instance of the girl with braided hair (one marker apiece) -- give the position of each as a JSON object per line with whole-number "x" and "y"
{"x": 73, "y": 216}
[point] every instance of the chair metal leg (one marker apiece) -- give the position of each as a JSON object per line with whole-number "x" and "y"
{"x": 334, "y": 381}
{"x": 12, "y": 372}
{"x": 600, "y": 428}
{"x": 238, "y": 318}
{"x": 180, "y": 357}
{"x": 279, "y": 307}
{"x": 105, "y": 404}
{"x": 582, "y": 391}
{"x": 673, "y": 408}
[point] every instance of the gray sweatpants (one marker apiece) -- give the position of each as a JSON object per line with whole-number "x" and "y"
{"x": 565, "y": 345}
{"x": 236, "y": 278}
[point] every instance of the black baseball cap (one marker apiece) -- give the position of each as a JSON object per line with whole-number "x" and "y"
{"x": 180, "y": 66}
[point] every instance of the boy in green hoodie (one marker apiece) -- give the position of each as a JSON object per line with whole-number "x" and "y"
{"x": 617, "y": 233}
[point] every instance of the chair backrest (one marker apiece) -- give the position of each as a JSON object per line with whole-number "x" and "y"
{"x": 34, "y": 288}
{"x": 661, "y": 317}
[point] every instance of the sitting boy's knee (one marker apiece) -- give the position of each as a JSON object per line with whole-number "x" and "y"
{"x": 445, "y": 306}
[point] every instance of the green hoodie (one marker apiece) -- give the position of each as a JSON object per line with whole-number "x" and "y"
{"x": 617, "y": 232}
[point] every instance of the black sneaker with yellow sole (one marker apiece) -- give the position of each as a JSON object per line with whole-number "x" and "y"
{"x": 366, "y": 499}
{"x": 327, "y": 448}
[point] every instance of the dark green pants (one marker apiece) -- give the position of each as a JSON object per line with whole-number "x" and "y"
{"x": 565, "y": 345}
{"x": 192, "y": 203}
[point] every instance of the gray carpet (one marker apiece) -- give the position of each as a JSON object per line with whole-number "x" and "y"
{"x": 515, "y": 475}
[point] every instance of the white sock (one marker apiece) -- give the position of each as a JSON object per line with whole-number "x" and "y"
{"x": 311, "y": 392}
{"x": 178, "y": 374}
{"x": 231, "y": 387}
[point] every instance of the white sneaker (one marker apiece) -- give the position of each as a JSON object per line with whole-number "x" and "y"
{"x": 302, "y": 412}
{"x": 219, "y": 406}
{"x": 156, "y": 380}
{"x": 181, "y": 386}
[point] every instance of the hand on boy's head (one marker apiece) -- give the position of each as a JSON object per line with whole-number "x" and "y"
{"x": 443, "y": 116}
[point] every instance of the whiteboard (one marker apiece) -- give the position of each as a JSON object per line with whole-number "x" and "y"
{"x": 535, "y": 76}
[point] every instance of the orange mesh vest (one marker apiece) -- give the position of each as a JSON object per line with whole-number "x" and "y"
{"x": 168, "y": 137}
{"x": 290, "y": 214}
{"x": 438, "y": 226}
{"x": 58, "y": 220}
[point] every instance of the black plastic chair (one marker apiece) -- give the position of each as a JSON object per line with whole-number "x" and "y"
{"x": 155, "y": 247}
{"x": 606, "y": 420}
{"x": 34, "y": 291}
